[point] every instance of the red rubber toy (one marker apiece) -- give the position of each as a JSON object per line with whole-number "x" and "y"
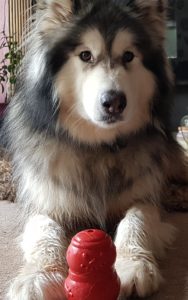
{"x": 90, "y": 257}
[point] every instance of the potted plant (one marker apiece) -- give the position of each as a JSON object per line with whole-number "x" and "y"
{"x": 9, "y": 65}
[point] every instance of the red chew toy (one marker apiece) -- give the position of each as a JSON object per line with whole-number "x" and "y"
{"x": 90, "y": 257}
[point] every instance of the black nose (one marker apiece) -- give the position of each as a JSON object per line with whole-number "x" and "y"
{"x": 113, "y": 102}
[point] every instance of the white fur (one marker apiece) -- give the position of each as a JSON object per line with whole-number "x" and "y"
{"x": 36, "y": 67}
{"x": 141, "y": 238}
{"x": 42, "y": 242}
{"x": 43, "y": 274}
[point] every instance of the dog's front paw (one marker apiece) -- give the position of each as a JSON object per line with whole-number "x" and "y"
{"x": 37, "y": 286}
{"x": 137, "y": 276}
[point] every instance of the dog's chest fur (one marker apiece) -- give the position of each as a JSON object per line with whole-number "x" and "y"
{"x": 105, "y": 181}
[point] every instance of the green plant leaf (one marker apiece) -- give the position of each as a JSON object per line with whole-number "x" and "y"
{"x": 9, "y": 68}
{"x": 7, "y": 55}
{"x": 9, "y": 65}
{"x": 12, "y": 79}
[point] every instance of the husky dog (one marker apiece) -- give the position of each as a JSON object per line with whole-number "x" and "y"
{"x": 88, "y": 129}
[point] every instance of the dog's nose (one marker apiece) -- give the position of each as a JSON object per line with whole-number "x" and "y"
{"x": 113, "y": 102}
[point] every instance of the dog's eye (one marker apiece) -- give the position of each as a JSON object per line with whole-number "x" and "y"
{"x": 128, "y": 56}
{"x": 86, "y": 56}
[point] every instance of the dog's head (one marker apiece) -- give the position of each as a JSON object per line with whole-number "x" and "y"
{"x": 105, "y": 65}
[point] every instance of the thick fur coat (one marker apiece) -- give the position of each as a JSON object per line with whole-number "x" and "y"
{"x": 88, "y": 129}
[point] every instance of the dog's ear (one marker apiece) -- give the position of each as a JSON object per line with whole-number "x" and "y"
{"x": 149, "y": 9}
{"x": 59, "y": 10}
{"x": 54, "y": 4}
{"x": 153, "y": 15}
{"x": 159, "y": 6}
{"x": 58, "y": 6}
{"x": 53, "y": 13}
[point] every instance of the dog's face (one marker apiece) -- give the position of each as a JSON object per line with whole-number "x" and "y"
{"x": 105, "y": 83}
{"x": 106, "y": 64}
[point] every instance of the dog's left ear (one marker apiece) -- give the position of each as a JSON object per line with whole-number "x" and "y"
{"x": 159, "y": 6}
{"x": 153, "y": 15}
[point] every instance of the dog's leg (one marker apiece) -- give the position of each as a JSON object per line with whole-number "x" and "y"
{"x": 44, "y": 251}
{"x": 141, "y": 238}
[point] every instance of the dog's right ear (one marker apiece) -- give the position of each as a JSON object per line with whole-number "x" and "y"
{"x": 53, "y": 13}
{"x": 58, "y": 5}
{"x": 50, "y": 4}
